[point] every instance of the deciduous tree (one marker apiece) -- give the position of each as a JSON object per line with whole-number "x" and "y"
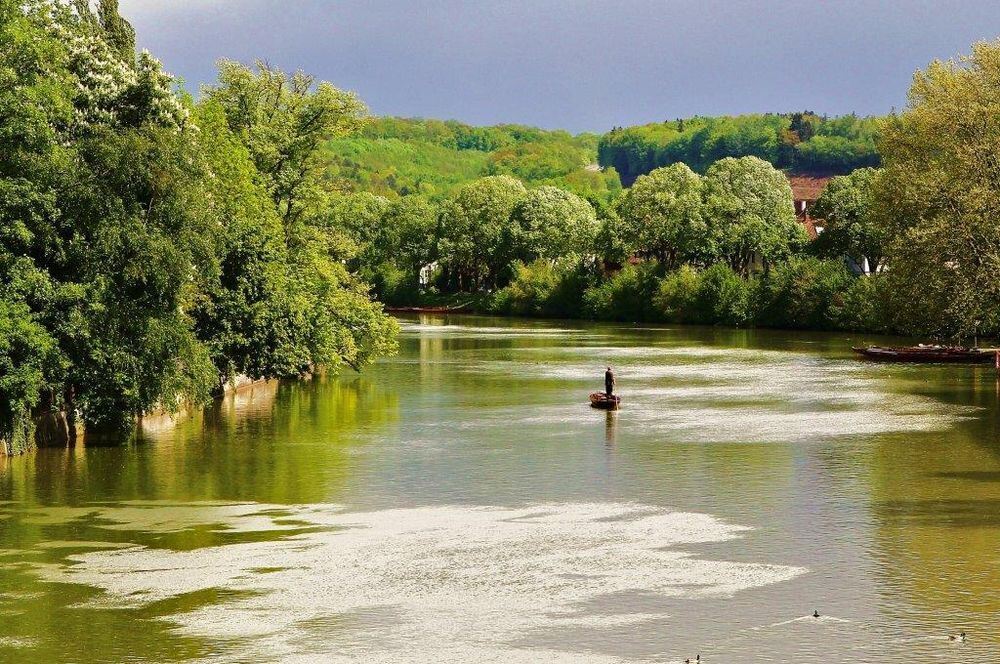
{"x": 941, "y": 190}
{"x": 551, "y": 223}
{"x": 853, "y": 227}
{"x": 473, "y": 227}
{"x": 750, "y": 214}
{"x": 662, "y": 216}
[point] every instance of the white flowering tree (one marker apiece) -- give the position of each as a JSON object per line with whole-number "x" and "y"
{"x": 114, "y": 87}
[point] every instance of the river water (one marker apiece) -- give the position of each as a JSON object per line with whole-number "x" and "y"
{"x": 462, "y": 503}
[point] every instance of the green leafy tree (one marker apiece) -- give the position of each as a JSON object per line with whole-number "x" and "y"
{"x": 749, "y": 207}
{"x": 805, "y": 293}
{"x": 398, "y": 157}
{"x": 415, "y": 220}
{"x": 363, "y": 217}
{"x": 253, "y": 318}
{"x": 141, "y": 256}
{"x": 798, "y": 141}
{"x": 473, "y": 228}
{"x": 715, "y": 296}
{"x": 628, "y": 295}
{"x": 105, "y": 240}
{"x": 610, "y": 244}
{"x": 283, "y": 120}
{"x": 415, "y": 223}
{"x": 941, "y": 189}
{"x": 25, "y": 349}
{"x": 853, "y": 227}
{"x": 551, "y": 223}
{"x": 662, "y": 215}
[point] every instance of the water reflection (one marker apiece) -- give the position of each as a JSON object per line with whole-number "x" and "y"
{"x": 610, "y": 428}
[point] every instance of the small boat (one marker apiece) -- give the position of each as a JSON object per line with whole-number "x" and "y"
{"x": 456, "y": 309}
{"x": 602, "y": 400}
{"x": 930, "y": 354}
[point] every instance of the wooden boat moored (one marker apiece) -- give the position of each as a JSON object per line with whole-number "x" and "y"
{"x": 929, "y": 354}
{"x": 456, "y": 309}
{"x": 602, "y": 400}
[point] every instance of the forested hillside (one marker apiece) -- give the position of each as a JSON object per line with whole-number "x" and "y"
{"x": 401, "y": 156}
{"x": 803, "y": 142}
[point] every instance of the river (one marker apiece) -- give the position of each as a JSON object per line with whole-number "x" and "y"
{"x": 461, "y": 503}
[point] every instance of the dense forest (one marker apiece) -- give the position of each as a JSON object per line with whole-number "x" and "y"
{"x": 400, "y": 156}
{"x": 719, "y": 248}
{"x": 801, "y": 142}
{"x": 706, "y": 234}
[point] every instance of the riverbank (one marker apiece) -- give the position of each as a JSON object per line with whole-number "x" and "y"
{"x": 802, "y": 294}
{"x": 54, "y": 428}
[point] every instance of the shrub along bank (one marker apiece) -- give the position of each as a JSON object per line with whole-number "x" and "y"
{"x": 801, "y": 293}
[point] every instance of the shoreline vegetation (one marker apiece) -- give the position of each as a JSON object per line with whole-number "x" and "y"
{"x": 157, "y": 245}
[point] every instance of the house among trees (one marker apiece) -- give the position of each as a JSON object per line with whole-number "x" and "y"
{"x": 805, "y": 191}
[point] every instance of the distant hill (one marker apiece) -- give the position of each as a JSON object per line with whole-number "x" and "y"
{"x": 399, "y": 156}
{"x": 800, "y": 142}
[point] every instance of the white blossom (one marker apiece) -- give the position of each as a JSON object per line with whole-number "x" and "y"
{"x": 114, "y": 92}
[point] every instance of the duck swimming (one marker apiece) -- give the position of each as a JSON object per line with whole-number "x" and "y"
{"x": 815, "y": 614}
{"x": 960, "y": 637}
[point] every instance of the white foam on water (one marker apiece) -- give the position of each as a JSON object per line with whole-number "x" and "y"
{"x": 699, "y": 352}
{"x": 766, "y": 425}
{"x": 442, "y": 584}
{"x": 807, "y": 619}
{"x": 13, "y": 642}
{"x": 751, "y": 397}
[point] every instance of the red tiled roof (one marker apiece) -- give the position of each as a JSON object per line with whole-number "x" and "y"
{"x": 807, "y": 187}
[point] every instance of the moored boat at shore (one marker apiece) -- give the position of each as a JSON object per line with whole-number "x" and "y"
{"x": 928, "y": 354}
{"x": 456, "y": 309}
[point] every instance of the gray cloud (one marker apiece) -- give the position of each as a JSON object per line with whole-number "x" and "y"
{"x": 581, "y": 65}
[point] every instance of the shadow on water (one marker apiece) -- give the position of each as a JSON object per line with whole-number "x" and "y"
{"x": 974, "y": 475}
{"x": 943, "y": 513}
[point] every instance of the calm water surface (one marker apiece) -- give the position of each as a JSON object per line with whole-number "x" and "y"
{"x": 461, "y": 503}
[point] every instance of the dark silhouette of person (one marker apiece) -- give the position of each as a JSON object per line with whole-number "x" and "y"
{"x": 609, "y": 382}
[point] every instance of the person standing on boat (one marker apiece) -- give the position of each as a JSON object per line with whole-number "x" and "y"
{"x": 609, "y": 382}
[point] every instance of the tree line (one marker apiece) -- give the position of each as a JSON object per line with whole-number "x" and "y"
{"x": 803, "y": 142}
{"x": 153, "y": 247}
{"x": 722, "y": 248}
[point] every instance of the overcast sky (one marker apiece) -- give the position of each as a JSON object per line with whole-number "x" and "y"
{"x": 579, "y": 65}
